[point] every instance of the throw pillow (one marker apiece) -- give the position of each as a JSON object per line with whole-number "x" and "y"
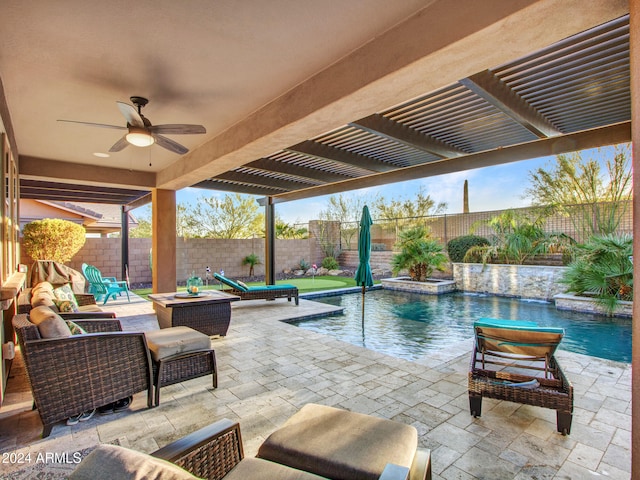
{"x": 119, "y": 462}
{"x": 50, "y": 324}
{"x": 242, "y": 284}
{"x": 65, "y": 293}
{"x": 65, "y": 306}
{"x": 75, "y": 328}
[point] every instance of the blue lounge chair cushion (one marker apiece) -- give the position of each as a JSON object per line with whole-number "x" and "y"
{"x": 243, "y": 288}
{"x": 515, "y": 325}
{"x": 518, "y": 337}
{"x": 231, "y": 283}
{"x": 283, "y": 286}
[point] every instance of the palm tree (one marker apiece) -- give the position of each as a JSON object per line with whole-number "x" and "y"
{"x": 252, "y": 260}
{"x": 418, "y": 254}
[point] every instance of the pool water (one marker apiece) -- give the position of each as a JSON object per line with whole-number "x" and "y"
{"x": 408, "y": 326}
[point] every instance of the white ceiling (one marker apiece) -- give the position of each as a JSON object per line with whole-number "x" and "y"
{"x": 197, "y": 61}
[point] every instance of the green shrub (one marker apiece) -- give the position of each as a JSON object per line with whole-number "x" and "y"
{"x": 330, "y": 263}
{"x": 458, "y": 247}
{"x": 304, "y": 265}
{"x": 52, "y": 239}
{"x": 602, "y": 269}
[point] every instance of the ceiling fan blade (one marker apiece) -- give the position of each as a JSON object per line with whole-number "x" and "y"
{"x": 119, "y": 145}
{"x": 131, "y": 114}
{"x": 90, "y": 124}
{"x": 169, "y": 144}
{"x": 178, "y": 129}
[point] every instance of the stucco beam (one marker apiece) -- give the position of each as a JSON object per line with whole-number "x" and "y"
{"x": 67, "y": 172}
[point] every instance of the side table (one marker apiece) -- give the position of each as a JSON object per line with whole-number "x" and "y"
{"x": 209, "y": 312}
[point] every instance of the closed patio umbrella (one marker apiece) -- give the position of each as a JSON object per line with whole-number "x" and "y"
{"x": 363, "y": 275}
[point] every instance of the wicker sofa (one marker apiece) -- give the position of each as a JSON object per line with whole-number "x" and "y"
{"x": 70, "y": 374}
{"x": 44, "y": 293}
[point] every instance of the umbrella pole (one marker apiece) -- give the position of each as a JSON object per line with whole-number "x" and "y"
{"x": 363, "y": 290}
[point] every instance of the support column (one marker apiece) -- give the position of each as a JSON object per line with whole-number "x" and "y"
{"x": 270, "y": 242}
{"x": 634, "y": 40}
{"x": 124, "y": 241}
{"x": 163, "y": 242}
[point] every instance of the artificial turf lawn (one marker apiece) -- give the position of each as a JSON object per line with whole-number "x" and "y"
{"x": 304, "y": 284}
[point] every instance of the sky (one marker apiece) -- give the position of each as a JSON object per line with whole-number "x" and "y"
{"x": 490, "y": 188}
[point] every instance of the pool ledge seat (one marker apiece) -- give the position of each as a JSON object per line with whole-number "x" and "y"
{"x": 514, "y": 361}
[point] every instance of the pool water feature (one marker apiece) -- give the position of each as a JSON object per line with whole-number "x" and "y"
{"x": 409, "y": 326}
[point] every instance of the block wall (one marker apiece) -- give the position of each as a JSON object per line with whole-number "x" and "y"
{"x": 192, "y": 255}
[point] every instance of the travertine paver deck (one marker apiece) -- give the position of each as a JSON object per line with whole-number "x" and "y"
{"x": 269, "y": 369}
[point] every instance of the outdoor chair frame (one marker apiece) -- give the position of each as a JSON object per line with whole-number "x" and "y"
{"x": 214, "y": 450}
{"x": 268, "y": 292}
{"x": 103, "y": 287}
{"x": 504, "y": 367}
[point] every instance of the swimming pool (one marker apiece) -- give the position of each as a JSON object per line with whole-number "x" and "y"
{"x": 408, "y": 325}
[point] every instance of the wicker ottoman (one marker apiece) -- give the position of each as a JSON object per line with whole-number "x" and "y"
{"x": 179, "y": 354}
{"x": 336, "y": 443}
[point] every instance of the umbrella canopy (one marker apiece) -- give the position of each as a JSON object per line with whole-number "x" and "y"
{"x": 363, "y": 275}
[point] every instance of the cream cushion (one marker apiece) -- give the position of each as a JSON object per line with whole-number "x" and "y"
{"x": 49, "y": 323}
{"x": 42, "y": 294}
{"x": 119, "y": 463}
{"x": 250, "y": 468}
{"x": 168, "y": 342}
{"x": 336, "y": 443}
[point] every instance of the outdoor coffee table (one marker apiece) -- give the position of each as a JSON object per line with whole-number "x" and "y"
{"x": 208, "y": 312}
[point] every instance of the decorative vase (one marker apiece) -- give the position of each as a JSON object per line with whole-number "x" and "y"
{"x": 194, "y": 284}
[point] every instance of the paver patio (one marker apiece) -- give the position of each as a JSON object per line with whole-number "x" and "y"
{"x": 268, "y": 369}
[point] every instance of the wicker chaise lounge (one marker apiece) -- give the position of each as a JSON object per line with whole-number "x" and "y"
{"x": 514, "y": 361}
{"x": 267, "y": 292}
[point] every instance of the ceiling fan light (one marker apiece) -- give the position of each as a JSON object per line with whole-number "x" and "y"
{"x": 139, "y": 138}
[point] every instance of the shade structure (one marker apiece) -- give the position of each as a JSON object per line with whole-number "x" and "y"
{"x": 363, "y": 276}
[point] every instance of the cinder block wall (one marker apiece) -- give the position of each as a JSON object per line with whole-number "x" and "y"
{"x": 192, "y": 255}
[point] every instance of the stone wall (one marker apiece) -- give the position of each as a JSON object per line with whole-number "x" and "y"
{"x": 522, "y": 281}
{"x": 589, "y": 305}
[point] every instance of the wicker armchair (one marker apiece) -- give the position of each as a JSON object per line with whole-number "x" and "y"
{"x": 214, "y": 452}
{"x": 70, "y": 375}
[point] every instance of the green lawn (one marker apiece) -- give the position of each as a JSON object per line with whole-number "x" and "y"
{"x": 304, "y": 284}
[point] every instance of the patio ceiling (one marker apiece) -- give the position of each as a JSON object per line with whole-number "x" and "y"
{"x": 579, "y": 84}
{"x": 399, "y": 90}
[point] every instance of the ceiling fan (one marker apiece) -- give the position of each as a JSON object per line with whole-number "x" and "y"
{"x": 142, "y": 133}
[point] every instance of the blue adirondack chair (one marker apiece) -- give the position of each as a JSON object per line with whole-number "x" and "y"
{"x": 103, "y": 287}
